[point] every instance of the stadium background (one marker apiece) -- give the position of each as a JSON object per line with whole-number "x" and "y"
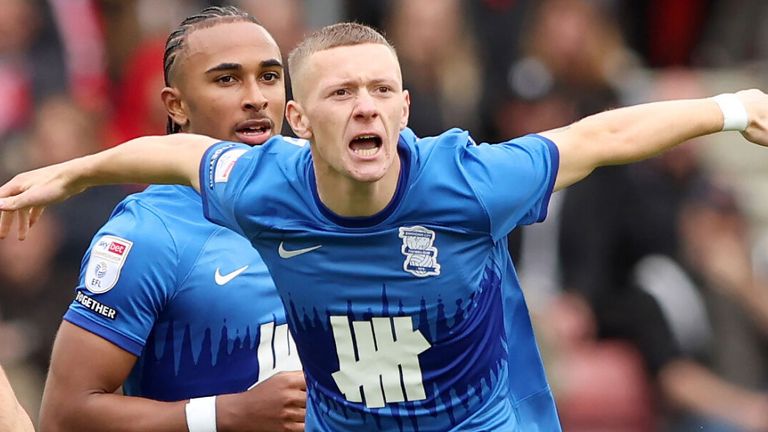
{"x": 79, "y": 75}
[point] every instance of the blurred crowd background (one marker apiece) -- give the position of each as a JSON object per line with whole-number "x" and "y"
{"x": 647, "y": 284}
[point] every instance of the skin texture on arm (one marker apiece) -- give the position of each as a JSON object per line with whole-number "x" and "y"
{"x": 638, "y": 132}
{"x": 86, "y": 370}
{"x": 169, "y": 159}
{"x": 13, "y": 418}
{"x": 79, "y": 392}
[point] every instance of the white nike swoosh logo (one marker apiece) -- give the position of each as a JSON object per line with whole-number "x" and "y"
{"x": 225, "y": 279}
{"x": 284, "y": 253}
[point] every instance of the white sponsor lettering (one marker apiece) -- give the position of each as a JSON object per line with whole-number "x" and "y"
{"x": 387, "y": 362}
{"x": 276, "y": 352}
{"x": 96, "y": 306}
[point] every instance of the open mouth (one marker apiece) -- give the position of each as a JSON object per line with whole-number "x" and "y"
{"x": 365, "y": 145}
{"x": 254, "y": 132}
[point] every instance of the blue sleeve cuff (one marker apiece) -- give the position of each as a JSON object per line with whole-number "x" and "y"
{"x": 206, "y": 178}
{"x": 554, "y": 158}
{"x": 107, "y": 333}
{"x": 207, "y": 168}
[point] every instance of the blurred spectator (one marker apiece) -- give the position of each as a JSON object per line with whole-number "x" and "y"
{"x": 585, "y": 372}
{"x": 82, "y": 38}
{"x": 715, "y": 247}
{"x": 60, "y": 130}
{"x": 570, "y": 58}
{"x": 572, "y": 61}
{"x": 286, "y": 20}
{"x": 369, "y": 12}
{"x": 138, "y": 108}
{"x": 439, "y": 63}
{"x": 34, "y": 293}
{"x": 499, "y": 27}
{"x": 620, "y": 250}
{"x": 665, "y": 33}
{"x": 63, "y": 130}
{"x": 31, "y": 62}
{"x": 699, "y": 33}
{"x": 577, "y": 43}
{"x": 129, "y": 22}
{"x": 734, "y": 34}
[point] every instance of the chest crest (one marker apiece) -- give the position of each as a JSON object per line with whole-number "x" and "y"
{"x": 419, "y": 250}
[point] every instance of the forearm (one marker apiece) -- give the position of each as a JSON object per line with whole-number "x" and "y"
{"x": 80, "y": 391}
{"x": 631, "y": 134}
{"x": 113, "y": 412}
{"x": 170, "y": 159}
{"x": 13, "y": 418}
{"x": 634, "y": 133}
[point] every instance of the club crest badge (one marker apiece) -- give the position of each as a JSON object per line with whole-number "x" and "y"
{"x": 420, "y": 253}
{"x": 107, "y": 258}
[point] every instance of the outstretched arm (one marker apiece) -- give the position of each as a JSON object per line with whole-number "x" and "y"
{"x": 13, "y": 418}
{"x": 638, "y": 132}
{"x": 86, "y": 370}
{"x": 170, "y": 159}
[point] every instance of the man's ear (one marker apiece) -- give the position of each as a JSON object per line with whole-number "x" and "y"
{"x": 299, "y": 122}
{"x": 406, "y": 109}
{"x": 174, "y": 106}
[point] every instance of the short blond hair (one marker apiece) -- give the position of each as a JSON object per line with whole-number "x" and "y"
{"x": 333, "y": 36}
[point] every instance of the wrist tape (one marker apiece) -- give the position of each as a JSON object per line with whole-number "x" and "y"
{"x": 201, "y": 414}
{"x": 735, "y": 116}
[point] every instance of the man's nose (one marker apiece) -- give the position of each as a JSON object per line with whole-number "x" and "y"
{"x": 365, "y": 106}
{"x": 254, "y": 99}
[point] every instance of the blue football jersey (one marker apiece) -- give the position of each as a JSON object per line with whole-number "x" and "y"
{"x": 413, "y": 318}
{"x": 193, "y": 300}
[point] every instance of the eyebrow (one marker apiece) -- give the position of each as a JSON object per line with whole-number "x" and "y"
{"x": 354, "y": 82}
{"x": 271, "y": 63}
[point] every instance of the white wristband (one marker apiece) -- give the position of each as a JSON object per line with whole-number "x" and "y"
{"x": 735, "y": 116}
{"x": 201, "y": 414}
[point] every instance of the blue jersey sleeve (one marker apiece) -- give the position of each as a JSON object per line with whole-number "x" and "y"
{"x": 513, "y": 180}
{"x": 223, "y": 177}
{"x": 127, "y": 276}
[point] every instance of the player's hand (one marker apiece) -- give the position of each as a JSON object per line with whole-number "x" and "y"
{"x": 24, "y": 197}
{"x": 277, "y": 404}
{"x": 756, "y": 104}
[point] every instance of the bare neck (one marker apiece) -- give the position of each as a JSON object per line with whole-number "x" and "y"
{"x": 347, "y": 197}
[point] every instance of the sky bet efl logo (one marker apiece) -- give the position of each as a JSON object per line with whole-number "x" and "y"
{"x": 117, "y": 248}
{"x": 105, "y": 263}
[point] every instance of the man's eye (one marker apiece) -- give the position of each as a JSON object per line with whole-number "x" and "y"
{"x": 226, "y": 79}
{"x": 271, "y": 76}
{"x": 340, "y": 92}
